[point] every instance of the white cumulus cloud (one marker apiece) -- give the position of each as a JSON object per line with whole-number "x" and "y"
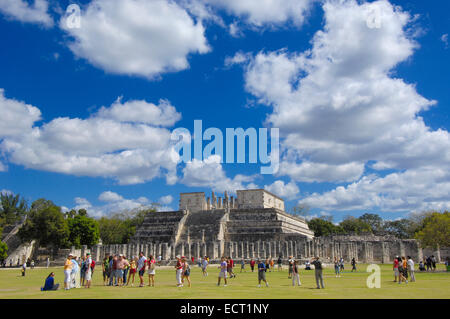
{"x": 137, "y": 37}
{"x": 35, "y": 11}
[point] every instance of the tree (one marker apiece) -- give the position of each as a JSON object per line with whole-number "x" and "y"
{"x": 121, "y": 227}
{"x": 402, "y": 228}
{"x": 47, "y": 225}
{"x": 374, "y": 221}
{"x": 353, "y": 225}
{"x": 301, "y": 210}
{"x": 322, "y": 227}
{"x": 12, "y": 208}
{"x": 83, "y": 230}
{"x": 435, "y": 231}
{"x": 3, "y": 251}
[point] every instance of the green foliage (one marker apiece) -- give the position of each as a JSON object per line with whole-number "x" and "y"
{"x": 83, "y": 229}
{"x": 402, "y": 228}
{"x": 435, "y": 231}
{"x": 374, "y": 221}
{"x": 323, "y": 227}
{"x": 3, "y": 251}
{"x": 119, "y": 228}
{"x": 12, "y": 208}
{"x": 353, "y": 225}
{"x": 46, "y": 224}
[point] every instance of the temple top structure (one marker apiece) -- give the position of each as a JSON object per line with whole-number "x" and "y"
{"x": 246, "y": 199}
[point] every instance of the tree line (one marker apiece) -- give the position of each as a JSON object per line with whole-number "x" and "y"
{"x": 431, "y": 229}
{"x": 49, "y": 226}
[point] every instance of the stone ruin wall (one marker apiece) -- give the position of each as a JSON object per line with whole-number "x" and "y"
{"x": 370, "y": 249}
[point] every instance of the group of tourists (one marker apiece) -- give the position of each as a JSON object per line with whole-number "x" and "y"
{"x": 119, "y": 271}
{"x": 79, "y": 272}
{"x": 403, "y": 268}
{"x": 428, "y": 262}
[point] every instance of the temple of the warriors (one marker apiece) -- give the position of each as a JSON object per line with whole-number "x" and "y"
{"x": 253, "y": 224}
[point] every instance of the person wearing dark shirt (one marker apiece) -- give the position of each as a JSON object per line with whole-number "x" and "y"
{"x": 252, "y": 265}
{"x": 280, "y": 262}
{"x": 50, "y": 283}
{"x": 318, "y": 272}
{"x": 262, "y": 273}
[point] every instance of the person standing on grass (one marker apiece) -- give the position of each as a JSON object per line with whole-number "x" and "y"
{"x": 401, "y": 270}
{"x": 82, "y": 270}
{"x": 204, "y": 266}
{"x": 242, "y": 265}
{"x": 223, "y": 271}
{"x": 141, "y": 268}
{"x": 433, "y": 262}
{"x": 271, "y": 262}
{"x": 318, "y": 272}
{"x": 267, "y": 264}
{"x": 122, "y": 263}
{"x": 411, "y": 269}
{"x": 395, "y": 268}
{"x": 151, "y": 264}
{"x": 24, "y": 269}
{"x": 48, "y": 262}
{"x": 74, "y": 274}
{"x": 88, "y": 276}
{"x": 342, "y": 264}
{"x": 252, "y": 264}
{"x": 105, "y": 265}
{"x": 186, "y": 271}
{"x": 179, "y": 271}
{"x": 353, "y": 264}
{"x": 262, "y": 273}
{"x": 295, "y": 274}
{"x": 67, "y": 270}
{"x": 280, "y": 262}
{"x": 337, "y": 267}
{"x": 132, "y": 271}
{"x": 291, "y": 262}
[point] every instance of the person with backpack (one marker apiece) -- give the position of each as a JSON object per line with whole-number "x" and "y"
{"x": 280, "y": 264}
{"x": 262, "y": 273}
{"x": 151, "y": 263}
{"x": 318, "y": 272}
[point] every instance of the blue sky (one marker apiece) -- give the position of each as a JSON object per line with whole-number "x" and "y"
{"x": 362, "y": 108}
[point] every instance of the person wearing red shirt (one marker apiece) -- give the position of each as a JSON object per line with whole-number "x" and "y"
{"x": 179, "y": 271}
{"x": 252, "y": 265}
{"x": 395, "y": 268}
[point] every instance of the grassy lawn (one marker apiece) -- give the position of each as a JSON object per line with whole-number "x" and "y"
{"x": 350, "y": 285}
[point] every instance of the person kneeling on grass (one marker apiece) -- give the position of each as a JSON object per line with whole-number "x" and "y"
{"x": 50, "y": 283}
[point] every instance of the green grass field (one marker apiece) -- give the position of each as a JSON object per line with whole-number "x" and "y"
{"x": 350, "y": 285}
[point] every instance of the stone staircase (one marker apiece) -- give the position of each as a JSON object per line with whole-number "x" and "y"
{"x": 203, "y": 226}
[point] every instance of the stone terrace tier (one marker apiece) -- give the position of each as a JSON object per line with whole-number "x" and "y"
{"x": 160, "y": 227}
{"x": 264, "y": 224}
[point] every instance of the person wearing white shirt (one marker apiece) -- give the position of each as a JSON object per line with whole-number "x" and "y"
{"x": 410, "y": 263}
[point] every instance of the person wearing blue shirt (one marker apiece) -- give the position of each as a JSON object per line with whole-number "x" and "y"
{"x": 50, "y": 283}
{"x": 262, "y": 273}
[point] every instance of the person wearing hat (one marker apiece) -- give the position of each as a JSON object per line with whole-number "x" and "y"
{"x": 262, "y": 273}
{"x": 179, "y": 271}
{"x": 67, "y": 271}
{"x": 88, "y": 276}
{"x": 318, "y": 272}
